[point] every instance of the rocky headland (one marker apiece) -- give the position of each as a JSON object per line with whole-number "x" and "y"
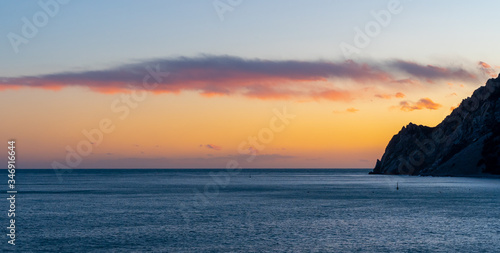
{"x": 465, "y": 143}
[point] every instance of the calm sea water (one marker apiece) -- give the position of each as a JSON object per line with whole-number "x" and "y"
{"x": 252, "y": 211}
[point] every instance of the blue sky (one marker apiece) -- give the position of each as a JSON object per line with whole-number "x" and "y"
{"x": 94, "y": 34}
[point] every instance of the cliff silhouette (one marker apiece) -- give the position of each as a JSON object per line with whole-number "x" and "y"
{"x": 465, "y": 143}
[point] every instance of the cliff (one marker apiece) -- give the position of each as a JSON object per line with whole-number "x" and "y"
{"x": 465, "y": 143}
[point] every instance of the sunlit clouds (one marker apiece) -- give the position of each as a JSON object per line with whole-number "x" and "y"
{"x": 348, "y": 110}
{"x": 253, "y": 78}
{"x": 195, "y": 111}
{"x": 389, "y": 96}
{"x": 488, "y": 69}
{"x": 423, "y": 103}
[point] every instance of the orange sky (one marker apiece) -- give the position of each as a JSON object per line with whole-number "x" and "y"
{"x": 190, "y": 130}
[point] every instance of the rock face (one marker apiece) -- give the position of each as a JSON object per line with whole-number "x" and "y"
{"x": 465, "y": 143}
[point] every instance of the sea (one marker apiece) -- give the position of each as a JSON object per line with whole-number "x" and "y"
{"x": 250, "y": 210}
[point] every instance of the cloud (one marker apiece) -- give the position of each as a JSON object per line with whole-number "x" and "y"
{"x": 211, "y": 146}
{"x": 487, "y": 69}
{"x": 348, "y": 110}
{"x": 432, "y": 73}
{"x": 217, "y": 75}
{"x": 383, "y": 96}
{"x": 423, "y": 103}
{"x": 400, "y": 95}
{"x": 252, "y": 78}
{"x": 408, "y": 81}
{"x": 484, "y": 64}
{"x": 389, "y": 96}
{"x": 454, "y": 107}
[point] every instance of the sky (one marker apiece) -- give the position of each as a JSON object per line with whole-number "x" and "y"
{"x": 215, "y": 84}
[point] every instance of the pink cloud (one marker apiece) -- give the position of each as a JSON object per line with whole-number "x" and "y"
{"x": 423, "y": 103}
{"x": 389, "y": 96}
{"x": 400, "y": 95}
{"x": 487, "y": 69}
{"x": 253, "y": 78}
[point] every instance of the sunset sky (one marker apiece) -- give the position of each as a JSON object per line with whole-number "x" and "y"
{"x": 185, "y": 84}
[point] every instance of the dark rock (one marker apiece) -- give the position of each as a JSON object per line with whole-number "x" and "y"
{"x": 466, "y": 142}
